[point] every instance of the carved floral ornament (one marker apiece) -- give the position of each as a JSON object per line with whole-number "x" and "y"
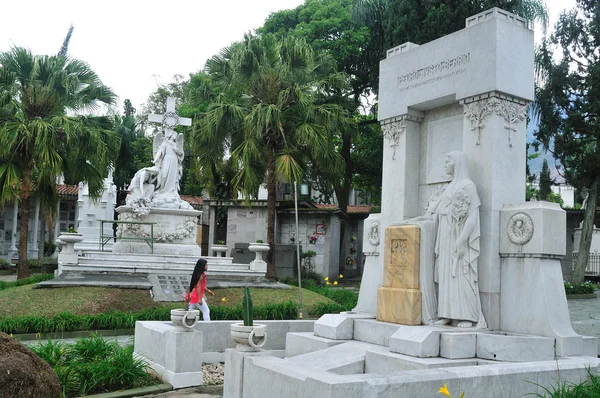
{"x": 520, "y": 228}
{"x": 512, "y": 112}
{"x": 392, "y": 131}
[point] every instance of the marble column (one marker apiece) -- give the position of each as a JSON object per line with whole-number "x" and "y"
{"x": 13, "y": 239}
{"x": 36, "y": 231}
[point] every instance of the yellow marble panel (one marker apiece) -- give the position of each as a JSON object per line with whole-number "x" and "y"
{"x": 401, "y": 306}
{"x": 401, "y": 256}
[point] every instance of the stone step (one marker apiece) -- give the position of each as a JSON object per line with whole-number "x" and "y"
{"x": 142, "y": 262}
{"x": 230, "y": 271}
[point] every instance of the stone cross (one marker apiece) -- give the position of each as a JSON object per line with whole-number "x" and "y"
{"x": 170, "y": 119}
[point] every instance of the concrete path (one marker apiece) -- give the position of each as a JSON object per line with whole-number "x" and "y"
{"x": 585, "y": 315}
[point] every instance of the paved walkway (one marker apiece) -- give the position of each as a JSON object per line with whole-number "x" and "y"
{"x": 585, "y": 315}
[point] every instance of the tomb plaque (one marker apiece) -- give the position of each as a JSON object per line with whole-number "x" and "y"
{"x": 399, "y": 299}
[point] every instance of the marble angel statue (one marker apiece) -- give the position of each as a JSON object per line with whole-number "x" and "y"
{"x": 168, "y": 158}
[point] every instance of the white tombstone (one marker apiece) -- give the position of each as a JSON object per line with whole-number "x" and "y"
{"x": 467, "y": 91}
{"x": 90, "y": 211}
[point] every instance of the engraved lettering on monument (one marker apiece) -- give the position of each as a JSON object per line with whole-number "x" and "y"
{"x": 399, "y": 258}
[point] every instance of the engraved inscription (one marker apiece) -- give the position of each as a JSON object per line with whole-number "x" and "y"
{"x": 434, "y": 72}
{"x": 399, "y": 258}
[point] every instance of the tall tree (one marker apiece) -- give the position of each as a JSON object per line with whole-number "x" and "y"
{"x": 64, "y": 49}
{"x": 275, "y": 103}
{"x": 39, "y": 141}
{"x": 545, "y": 181}
{"x": 568, "y": 105}
{"x": 328, "y": 26}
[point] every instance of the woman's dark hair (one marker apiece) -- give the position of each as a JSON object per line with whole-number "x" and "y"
{"x": 198, "y": 270}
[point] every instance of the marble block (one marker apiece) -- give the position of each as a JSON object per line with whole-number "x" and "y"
{"x": 533, "y": 228}
{"x": 174, "y": 354}
{"x": 514, "y": 348}
{"x": 303, "y": 343}
{"x": 458, "y": 345}
{"x": 400, "y": 300}
{"x": 401, "y": 257}
{"x": 402, "y": 306}
{"x": 335, "y": 327}
{"x": 416, "y": 341}
{"x": 234, "y": 371}
{"x": 589, "y": 346}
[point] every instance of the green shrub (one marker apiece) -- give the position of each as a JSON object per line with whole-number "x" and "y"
{"x": 26, "y": 281}
{"x": 67, "y": 322}
{"x": 586, "y": 287}
{"x": 94, "y": 365}
{"x": 4, "y": 264}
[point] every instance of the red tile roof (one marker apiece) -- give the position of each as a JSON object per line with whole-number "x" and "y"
{"x": 195, "y": 201}
{"x": 353, "y": 209}
{"x": 67, "y": 190}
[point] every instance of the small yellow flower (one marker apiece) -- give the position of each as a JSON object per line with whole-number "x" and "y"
{"x": 328, "y": 283}
{"x": 326, "y": 278}
{"x": 335, "y": 282}
{"x": 38, "y": 336}
{"x": 224, "y": 299}
{"x": 341, "y": 276}
{"x": 444, "y": 390}
{"x": 11, "y": 335}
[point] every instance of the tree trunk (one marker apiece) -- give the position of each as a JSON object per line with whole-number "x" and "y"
{"x": 271, "y": 213}
{"x": 23, "y": 265}
{"x": 586, "y": 235}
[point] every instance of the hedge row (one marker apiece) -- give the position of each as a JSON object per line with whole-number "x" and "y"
{"x": 67, "y": 322}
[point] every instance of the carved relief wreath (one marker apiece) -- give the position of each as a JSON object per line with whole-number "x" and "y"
{"x": 520, "y": 228}
{"x": 373, "y": 234}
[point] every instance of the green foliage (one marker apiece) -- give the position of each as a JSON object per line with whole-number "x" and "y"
{"x": 247, "y": 313}
{"x": 67, "y": 322}
{"x": 45, "y": 131}
{"x": 567, "y": 105}
{"x": 367, "y": 160}
{"x": 71, "y": 230}
{"x": 4, "y": 264}
{"x": 589, "y": 388}
{"x": 545, "y": 182}
{"x": 49, "y": 248}
{"x": 220, "y": 242}
{"x": 94, "y": 365}
{"x": 26, "y": 281}
{"x": 259, "y": 241}
{"x": 586, "y": 287}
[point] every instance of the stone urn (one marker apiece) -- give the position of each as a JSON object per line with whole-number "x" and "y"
{"x": 67, "y": 254}
{"x": 184, "y": 319}
{"x": 258, "y": 264}
{"x": 249, "y": 338}
{"x": 219, "y": 249}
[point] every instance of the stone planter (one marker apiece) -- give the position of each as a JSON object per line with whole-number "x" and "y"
{"x": 67, "y": 254}
{"x": 249, "y": 338}
{"x": 184, "y": 319}
{"x": 258, "y": 264}
{"x": 220, "y": 250}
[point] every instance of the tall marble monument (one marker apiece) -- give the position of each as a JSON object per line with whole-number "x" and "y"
{"x": 154, "y": 198}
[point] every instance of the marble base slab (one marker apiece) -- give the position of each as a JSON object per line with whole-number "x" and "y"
{"x": 458, "y": 345}
{"x": 514, "y": 348}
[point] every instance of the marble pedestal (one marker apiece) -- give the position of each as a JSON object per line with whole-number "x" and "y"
{"x": 174, "y": 232}
{"x": 399, "y": 300}
{"x": 173, "y": 353}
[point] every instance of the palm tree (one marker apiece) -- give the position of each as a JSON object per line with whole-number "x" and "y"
{"x": 40, "y": 140}
{"x": 273, "y": 114}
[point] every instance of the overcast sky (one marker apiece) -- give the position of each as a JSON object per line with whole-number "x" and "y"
{"x": 134, "y": 45}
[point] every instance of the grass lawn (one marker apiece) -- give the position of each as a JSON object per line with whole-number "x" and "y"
{"x": 24, "y": 300}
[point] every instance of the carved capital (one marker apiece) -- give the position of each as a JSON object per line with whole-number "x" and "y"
{"x": 512, "y": 109}
{"x": 391, "y": 133}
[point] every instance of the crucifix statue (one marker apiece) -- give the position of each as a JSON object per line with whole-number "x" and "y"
{"x": 168, "y": 151}
{"x": 167, "y": 158}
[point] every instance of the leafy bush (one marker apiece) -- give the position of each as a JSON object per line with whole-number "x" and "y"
{"x": 4, "y": 264}
{"x": 67, "y": 322}
{"x": 26, "y": 281}
{"x": 586, "y": 287}
{"x": 94, "y": 365}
